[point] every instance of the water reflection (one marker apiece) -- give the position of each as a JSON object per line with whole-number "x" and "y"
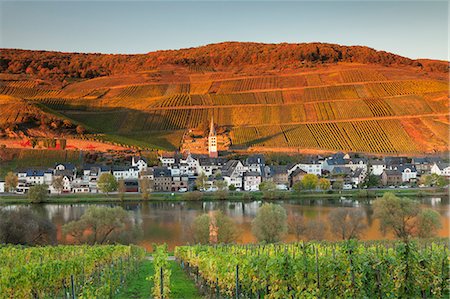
{"x": 170, "y": 222}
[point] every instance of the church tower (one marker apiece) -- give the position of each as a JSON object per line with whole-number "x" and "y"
{"x": 212, "y": 141}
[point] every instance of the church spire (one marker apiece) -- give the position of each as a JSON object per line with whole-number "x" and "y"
{"x": 212, "y": 130}
{"x": 212, "y": 141}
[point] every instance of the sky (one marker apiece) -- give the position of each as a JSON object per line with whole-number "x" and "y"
{"x": 412, "y": 29}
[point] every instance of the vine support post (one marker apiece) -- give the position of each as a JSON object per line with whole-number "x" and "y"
{"x": 217, "y": 288}
{"x": 317, "y": 269}
{"x": 237, "y": 281}
{"x": 161, "y": 284}
{"x": 72, "y": 284}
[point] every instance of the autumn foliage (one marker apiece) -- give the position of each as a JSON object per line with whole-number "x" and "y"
{"x": 221, "y": 56}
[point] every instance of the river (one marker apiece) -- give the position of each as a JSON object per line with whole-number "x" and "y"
{"x": 170, "y": 222}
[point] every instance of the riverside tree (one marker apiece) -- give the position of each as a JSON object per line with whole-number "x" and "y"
{"x": 310, "y": 181}
{"x": 25, "y": 227}
{"x": 324, "y": 184}
{"x": 347, "y": 223}
{"x": 405, "y": 218}
{"x": 100, "y": 225}
{"x": 216, "y": 223}
{"x": 58, "y": 184}
{"x": 38, "y": 193}
{"x": 11, "y": 181}
{"x": 107, "y": 183}
{"x": 270, "y": 223}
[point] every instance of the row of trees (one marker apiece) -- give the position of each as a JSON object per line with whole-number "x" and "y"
{"x": 61, "y": 66}
{"x": 401, "y": 216}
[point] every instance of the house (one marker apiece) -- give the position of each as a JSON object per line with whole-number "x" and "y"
{"x": 394, "y": 161}
{"x": 147, "y": 174}
{"x": 31, "y": 177}
{"x": 139, "y": 162}
{"x": 278, "y": 174}
{"x": 232, "y": 173}
{"x": 180, "y": 182}
{"x": 251, "y": 180}
{"x": 357, "y": 177}
{"x": 311, "y": 167}
{"x": 210, "y": 166}
{"x": 356, "y": 163}
{"x": 440, "y": 169}
{"x": 391, "y": 177}
{"x": 255, "y": 163}
{"x": 80, "y": 186}
{"x": 341, "y": 171}
{"x": 91, "y": 174}
{"x": 296, "y": 176}
{"x": 337, "y": 160}
{"x": 131, "y": 185}
{"x": 65, "y": 166}
{"x": 377, "y": 167}
{"x": 126, "y": 173}
{"x": 2, "y": 186}
{"x": 409, "y": 172}
{"x": 162, "y": 179}
{"x": 167, "y": 159}
{"x": 189, "y": 165}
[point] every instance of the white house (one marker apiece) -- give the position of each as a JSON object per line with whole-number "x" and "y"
{"x": 2, "y": 187}
{"x": 91, "y": 174}
{"x": 251, "y": 181}
{"x": 255, "y": 163}
{"x": 377, "y": 167}
{"x": 126, "y": 173}
{"x": 409, "y": 172}
{"x": 232, "y": 173}
{"x": 441, "y": 169}
{"x": 139, "y": 162}
{"x": 210, "y": 166}
{"x": 167, "y": 159}
{"x": 189, "y": 166}
{"x": 313, "y": 167}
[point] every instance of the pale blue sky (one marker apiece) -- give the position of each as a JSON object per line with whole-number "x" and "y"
{"x": 412, "y": 29}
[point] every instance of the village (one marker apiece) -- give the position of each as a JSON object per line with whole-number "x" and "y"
{"x": 176, "y": 172}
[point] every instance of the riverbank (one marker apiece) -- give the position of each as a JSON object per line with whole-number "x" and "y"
{"x": 230, "y": 196}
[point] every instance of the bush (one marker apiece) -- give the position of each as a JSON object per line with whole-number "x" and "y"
{"x": 38, "y": 193}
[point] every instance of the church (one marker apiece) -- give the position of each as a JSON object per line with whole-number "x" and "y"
{"x": 212, "y": 141}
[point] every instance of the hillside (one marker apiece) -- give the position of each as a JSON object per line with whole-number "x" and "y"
{"x": 284, "y": 97}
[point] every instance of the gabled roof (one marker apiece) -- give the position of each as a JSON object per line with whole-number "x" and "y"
{"x": 255, "y": 159}
{"x": 38, "y": 172}
{"x": 278, "y": 169}
{"x": 251, "y": 173}
{"x": 426, "y": 160}
{"x": 125, "y": 168}
{"x": 341, "y": 170}
{"x": 67, "y": 166}
{"x": 391, "y": 172}
{"x": 396, "y": 160}
{"x": 161, "y": 172}
{"x": 211, "y": 161}
{"x": 298, "y": 171}
{"x": 377, "y": 162}
{"x": 443, "y": 165}
{"x": 103, "y": 168}
{"x": 66, "y": 172}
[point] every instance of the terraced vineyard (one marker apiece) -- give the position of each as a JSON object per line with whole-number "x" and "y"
{"x": 360, "y": 108}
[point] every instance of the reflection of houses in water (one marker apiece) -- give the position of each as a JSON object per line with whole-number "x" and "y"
{"x": 434, "y": 201}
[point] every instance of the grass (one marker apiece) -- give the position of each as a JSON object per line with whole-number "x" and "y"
{"x": 231, "y": 196}
{"x": 139, "y": 287}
